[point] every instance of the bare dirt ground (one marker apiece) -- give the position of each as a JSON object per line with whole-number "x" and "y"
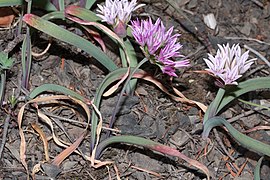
{"x": 150, "y": 113}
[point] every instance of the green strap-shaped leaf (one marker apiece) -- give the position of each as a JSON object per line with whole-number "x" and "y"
{"x": 11, "y": 2}
{"x": 134, "y": 140}
{"x": 244, "y": 140}
{"x": 212, "y": 108}
{"x": 44, "y": 4}
{"x": 257, "y": 170}
{"x": 82, "y": 13}
{"x": 89, "y": 3}
{"x": 68, "y": 37}
{"x": 130, "y": 52}
{"x": 242, "y": 88}
{"x": 54, "y": 15}
{"x": 55, "y": 88}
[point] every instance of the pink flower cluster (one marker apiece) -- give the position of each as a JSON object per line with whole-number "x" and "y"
{"x": 114, "y": 11}
{"x": 159, "y": 45}
{"x": 229, "y": 63}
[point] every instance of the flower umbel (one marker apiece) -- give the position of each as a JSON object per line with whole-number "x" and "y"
{"x": 229, "y": 63}
{"x": 159, "y": 45}
{"x": 117, "y": 13}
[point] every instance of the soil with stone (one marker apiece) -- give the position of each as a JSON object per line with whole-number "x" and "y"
{"x": 150, "y": 113}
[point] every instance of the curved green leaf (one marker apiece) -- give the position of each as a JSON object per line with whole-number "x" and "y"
{"x": 44, "y": 4}
{"x": 130, "y": 52}
{"x": 244, "y": 140}
{"x": 242, "y": 88}
{"x": 82, "y": 13}
{"x": 54, "y": 15}
{"x": 68, "y": 37}
{"x": 134, "y": 140}
{"x": 11, "y": 2}
{"x": 212, "y": 108}
{"x": 257, "y": 170}
{"x": 55, "y": 88}
{"x": 89, "y": 3}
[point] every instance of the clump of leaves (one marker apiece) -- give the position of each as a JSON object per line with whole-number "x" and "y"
{"x": 5, "y": 62}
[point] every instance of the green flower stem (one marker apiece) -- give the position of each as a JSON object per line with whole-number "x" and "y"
{"x": 212, "y": 109}
{"x": 131, "y": 55}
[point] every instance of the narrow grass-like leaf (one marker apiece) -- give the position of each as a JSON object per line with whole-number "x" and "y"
{"x": 56, "y": 88}
{"x": 44, "y": 4}
{"x": 82, "y": 13}
{"x": 2, "y": 86}
{"x": 153, "y": 146}
{"x": 242, "y": 88}
{"x": 11, "y": 2}
{"x": 54, "y": 15}
{"x": 244, "y": 140}
{"x": 26, "y": 57}
{"x": 68, "y": 37}
{"x": 61, "y": 5}
{"x": 132, "y": 58}
{"x": 212, "y": 109}
{"x": 89, "y": 3}
{"x": 257, "y": 170}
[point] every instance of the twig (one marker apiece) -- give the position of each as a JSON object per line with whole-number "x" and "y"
{"x": 258, "y": 3}
{"x": 4, "y": 137}
{"x": 74, "y": 121}
{"x": 257, "y": 54}
{"x": 241, "y": 115}
{"x": 253, "y": 71}
{"x": 248, "y": 39}
{"x": 222, "y": 145}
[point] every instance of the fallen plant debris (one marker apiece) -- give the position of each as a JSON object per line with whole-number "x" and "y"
{"x": 127, "y": 89}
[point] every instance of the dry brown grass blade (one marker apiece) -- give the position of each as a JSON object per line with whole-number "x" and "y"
{"x": 147, "y": 171}
{"x": 98, "y": 131}
{"x": 44, "y": 140}
{"x": 64, "y": 154}
{"x": 115, "y": 87}
{"x": 20, "y": 119}
{"x": 23, "y": 142}
{"x": 257, "y": 128}
{"x": 144, "y": 75}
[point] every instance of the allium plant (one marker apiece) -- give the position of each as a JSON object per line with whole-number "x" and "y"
{"x": 159, "y": 45}
{"x": 229, "y": 63}
{"x": 117, "y": 13}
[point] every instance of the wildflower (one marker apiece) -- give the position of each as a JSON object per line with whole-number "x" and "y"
{"x": 159, "y": 45}
{"x": 117, "y": 13}
{"x": 229, "y": 63}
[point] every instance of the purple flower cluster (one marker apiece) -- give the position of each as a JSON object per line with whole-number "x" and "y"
{"x": 229, "y": 63}
{"x": 159, "y": 45}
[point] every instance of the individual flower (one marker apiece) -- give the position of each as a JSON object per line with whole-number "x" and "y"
{"x": 229, "y": 63}
{"x": 117, "y": 13}
{"x": 159, "y": 45}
